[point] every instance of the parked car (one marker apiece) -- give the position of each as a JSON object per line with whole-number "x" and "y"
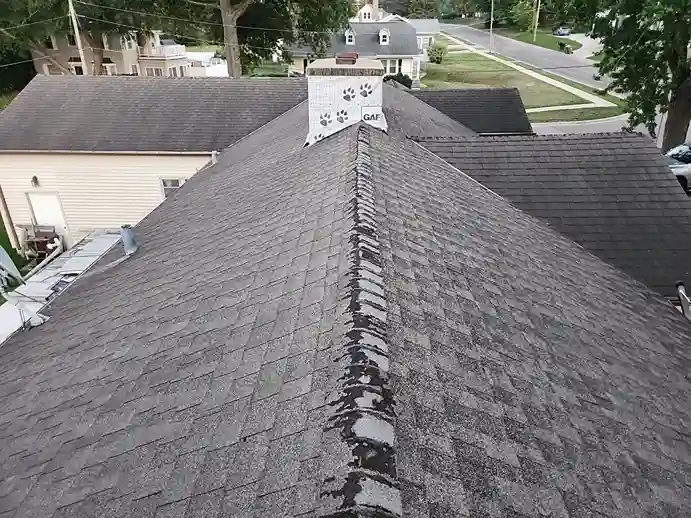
{"x": 562, "y": 31}
{"x": 681, "y": 170}
{"x": 681, "y": 153}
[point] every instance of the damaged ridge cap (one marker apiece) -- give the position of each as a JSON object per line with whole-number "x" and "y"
{"x": 363, "y": 411}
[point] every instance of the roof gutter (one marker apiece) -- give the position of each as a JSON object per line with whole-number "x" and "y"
{"x": 80, "y": 152}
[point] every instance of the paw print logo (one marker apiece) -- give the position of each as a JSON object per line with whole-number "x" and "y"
{"x": 341, "y": 116}
{"x": 325, "y": 119}
{"x": 318, "y": 137}
{"x": 348, "y": 94}
{"x": 365, "y": 90}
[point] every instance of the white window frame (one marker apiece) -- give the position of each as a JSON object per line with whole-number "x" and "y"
{"x": 173, "y": 72}
{"x": 182, "y": 71}
{"x": 366, "y": 15}
{"x": 135, "y": 69}
{"x": 68, "y": 40}
{"x": 149, "y": 72}
{"x": 396, "y": 69}
{"x": 104, "y": 39}
{"x": 384, "y": 37}
{"x": 111, "y": 69}
{"x": 158, "y": 72}
{"x": 53, "y": 43}
{"x": 350, "y": 37}
{"x": 171, "y": 189}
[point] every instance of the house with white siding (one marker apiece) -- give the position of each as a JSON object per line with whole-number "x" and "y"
{"x": 86, "y": 153}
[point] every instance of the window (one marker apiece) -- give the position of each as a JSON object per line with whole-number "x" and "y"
{"x": 149, "y": 72}
{"x": 50, "y": 43}
{"x": 170, "y": 185}
{"x": 350, "y": 37}
{"x": 109, "y": 69}
{"x": 70, "y": 40}
{"x": 79, "y": 71}
{"x": 384, "y": 37}
{"x": 173, "y": 72}
{"x": 135, "y": 70}
{"x": 182, "y": 71}
{"x": 158, "y": 72}
{"x": 366, "y": 15}
{"x": 106, "y": 44}
{"x": 392, "y": 66}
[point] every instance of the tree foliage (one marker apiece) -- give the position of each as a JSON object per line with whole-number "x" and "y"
{"x": 437, "y": 52}
{"x": 523, "y": 14}
{"x": 423, "y": 8}
{"x": 646, "y": 54}
{"x": 252, "y": 29}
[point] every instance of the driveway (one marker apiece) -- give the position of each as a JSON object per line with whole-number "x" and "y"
{"x": 577, "y": 68}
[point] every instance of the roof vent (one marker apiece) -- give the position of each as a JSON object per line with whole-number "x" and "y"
{"x": 684, "y": 300}
{"x": 128, "y": 240}
{"x": 343, "y": 91}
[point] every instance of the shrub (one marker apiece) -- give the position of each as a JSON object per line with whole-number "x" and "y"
{"x": 401, "y": 78}
{"x": 437, "y": 52}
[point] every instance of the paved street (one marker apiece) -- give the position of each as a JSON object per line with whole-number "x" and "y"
{"x": 531, "y": 54}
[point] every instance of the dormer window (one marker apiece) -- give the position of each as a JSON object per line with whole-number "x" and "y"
{"x": 366, "y": 15}
{"x": 350, "y": 37}
{"x": 384, "y": 37}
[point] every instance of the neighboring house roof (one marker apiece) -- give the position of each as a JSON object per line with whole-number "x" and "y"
{"x": 425, "y": 25}
{"x": 403, "y": 40}
{"x": 612, "y": 193}
{"x": 247, "y": 360}
{"x": 142, "y": 114}
{"x": 485, "y": 110}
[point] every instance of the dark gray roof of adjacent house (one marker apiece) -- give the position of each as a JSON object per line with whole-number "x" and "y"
{"x": 142, "y": 114}
{"x": 612, "y": 193}
{"x": 247, "y": 360}
{"x": 485, "y": 110}
{"x": 403, "y": 40}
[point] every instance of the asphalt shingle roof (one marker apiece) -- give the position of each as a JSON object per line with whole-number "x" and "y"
{"x": 139, "y": 114}
{"x": 246, "y": 360}
{"x": 403, "y": 40}
{"x": 612, "y": 193}
{"x": 485, "y": 110}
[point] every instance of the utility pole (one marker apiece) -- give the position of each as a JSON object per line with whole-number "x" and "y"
{"x": 491, "y": 27}
{"x": 537, "y": 18}
{"x": 77, "y": 36}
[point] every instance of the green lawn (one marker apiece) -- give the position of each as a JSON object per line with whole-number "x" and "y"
{"x": 6, "y": 98}
{"x": 595, "y": 57}
{"x": 544, "y": 38}
{"x": 472, "y": 70}
{"x": 584, "y": 114}
{"x": 205, "y": 48}
{"x": 443, "y": 39}
{"x": 270, "y": 69}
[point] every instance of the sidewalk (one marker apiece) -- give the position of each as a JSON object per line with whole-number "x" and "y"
{"x": 589, "y": 47}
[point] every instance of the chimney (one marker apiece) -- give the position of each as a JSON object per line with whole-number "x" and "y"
{"x": 343, "y": 91}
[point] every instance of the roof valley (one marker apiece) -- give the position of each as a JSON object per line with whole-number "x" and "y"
{"x": 361, "y": 426}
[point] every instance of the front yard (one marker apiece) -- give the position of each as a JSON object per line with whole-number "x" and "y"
{"x": 472, "y": 70}
{"x": 544, "y": 38}
{"x": 6, "y": 98}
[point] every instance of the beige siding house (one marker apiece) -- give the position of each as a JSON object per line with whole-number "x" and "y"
{"x": 121, "y": 55}
{"x": 81, "y": 154}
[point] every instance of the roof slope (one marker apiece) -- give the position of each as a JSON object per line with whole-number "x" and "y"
{"x": 485, "y": 110}
{"x": 140, "y": 114}
{"x": 403, "y": 40}
{"x": 613, "y": 194}
{"x": 529, "y": 377}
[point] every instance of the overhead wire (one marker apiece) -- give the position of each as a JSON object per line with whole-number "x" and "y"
{"x": 32, "y": 23}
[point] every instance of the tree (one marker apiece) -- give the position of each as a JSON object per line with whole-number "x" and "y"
{"x": 645, "y": 52}
{"x": 254, "y": 29}
{"x": 523, "y": 14}
{"x": 437, "y": 52}
{"x": 423, "y": 8}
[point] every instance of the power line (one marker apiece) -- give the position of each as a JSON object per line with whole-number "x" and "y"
{"x": 20, "y": 62}
{"x": 33, "y": 23}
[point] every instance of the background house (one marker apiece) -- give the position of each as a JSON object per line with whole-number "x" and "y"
{"x": 122, "y": 55}
{"x": 393, "y": 43}
{"x": 113, "y": 148}
{"x": 206, "y": 64}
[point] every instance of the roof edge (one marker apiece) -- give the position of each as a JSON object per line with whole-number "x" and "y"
{"x": 363, "y": 410}
{"x": 101, "y": 152}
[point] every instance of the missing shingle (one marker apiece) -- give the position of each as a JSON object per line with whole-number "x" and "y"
{"x": 363, "y": 413}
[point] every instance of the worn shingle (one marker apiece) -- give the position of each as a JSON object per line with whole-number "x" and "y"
{"x": 142, "y": 113}
{"x": 484, "y": 110}
{"x": 611, "y": 193}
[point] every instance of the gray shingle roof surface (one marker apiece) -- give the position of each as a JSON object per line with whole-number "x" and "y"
{"x": 485, "y": 110}
{"x": 612, "y": 193}
{"x": 77, "y": 113}
{"x": 199, "y": 377}
{"x": 403, "y": 40}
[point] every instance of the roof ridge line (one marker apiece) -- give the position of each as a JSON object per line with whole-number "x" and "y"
{"x": 363, "y": 411}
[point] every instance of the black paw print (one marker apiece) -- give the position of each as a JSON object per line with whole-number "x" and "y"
{"x": 365, "y": 90}
{"x": 325, "y": 119}
{"x": 341, "y": 116}
{"x": 318, "y": 137}
{"x": 348, "y": 94}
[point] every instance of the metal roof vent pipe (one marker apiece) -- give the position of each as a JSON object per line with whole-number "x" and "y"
{"x": 684, "y": 300}
{"x": 128, "y": 240}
